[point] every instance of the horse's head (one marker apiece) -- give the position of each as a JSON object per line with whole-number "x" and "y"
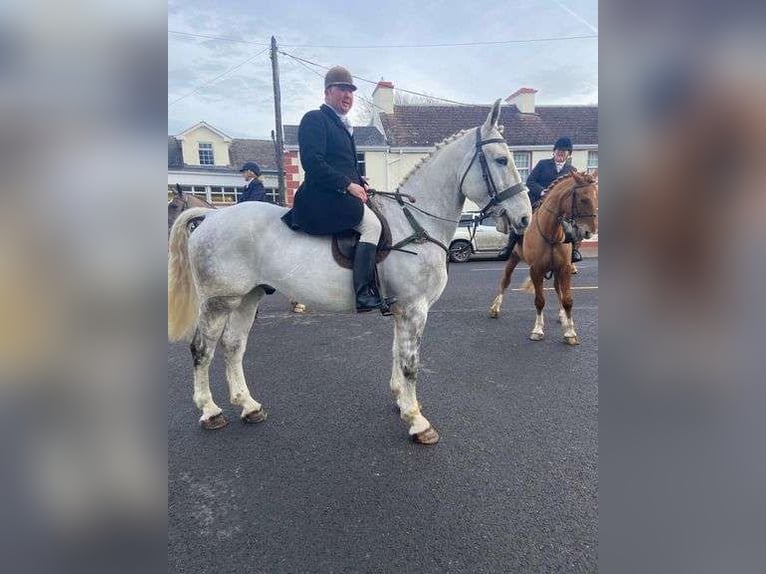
{"x": 491, "y": 178}
{"x": 577, "y": 197}
{"x": 175, "y": 207}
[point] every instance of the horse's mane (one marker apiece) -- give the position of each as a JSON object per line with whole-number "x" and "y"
{"x": 588, "y": 178}
{"x": 441, "y": 144}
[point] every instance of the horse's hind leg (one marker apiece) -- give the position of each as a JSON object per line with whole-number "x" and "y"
{"x": 234, "y": 342}
{"x": 505, "y": 280}
{"x": 213, "y": 316}
{"x": 539, "y": 328}
{"x": 407, "y": 335}
{"x": 564, "y": 291}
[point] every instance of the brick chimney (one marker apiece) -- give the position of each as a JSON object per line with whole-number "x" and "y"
{"x": 524, "y": 98}
{"x": 383, "y": 97}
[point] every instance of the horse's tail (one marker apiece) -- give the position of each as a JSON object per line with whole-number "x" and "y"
{"x": 183, "y": 301}
{"x": 528, "y": 286}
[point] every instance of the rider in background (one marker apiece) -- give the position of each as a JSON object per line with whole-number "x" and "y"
{"x": 543, "y": 174}
{"x": 254, "y": 190}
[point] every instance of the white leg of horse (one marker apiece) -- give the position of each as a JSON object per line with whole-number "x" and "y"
{"x": 397, "y": 380}
{"x": 234, "y": 343}
{"x": 211, "y": 324}
{"x": 408, "y": 332}
{"x": 505, "y": 281}
{"x": 570, "y": 335}
{"x": 565, "y": 298}
{"x": 494, "y": 309}
{"x": 538, "y": 330}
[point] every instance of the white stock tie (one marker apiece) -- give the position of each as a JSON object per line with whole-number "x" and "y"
{"x": 346, "y": 123}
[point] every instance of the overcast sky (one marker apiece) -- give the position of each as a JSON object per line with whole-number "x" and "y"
{"x": 240, "y": 101}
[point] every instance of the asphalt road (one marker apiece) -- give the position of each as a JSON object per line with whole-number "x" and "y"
{"x": 331, "y": 483}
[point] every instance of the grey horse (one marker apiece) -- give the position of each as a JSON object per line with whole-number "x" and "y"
{"x": 216, "y": 275}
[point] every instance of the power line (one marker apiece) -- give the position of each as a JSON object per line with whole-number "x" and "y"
{"x": 210, "y": 37}
{"x": 389, "y": 46}
{"x": 218, "y": 77}
{"x": 374, "y": 82}
{"x": 451, "y": 45}
{"x": 359, "y": 96}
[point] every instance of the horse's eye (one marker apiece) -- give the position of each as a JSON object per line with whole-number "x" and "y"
{"x": 502, "y": 160}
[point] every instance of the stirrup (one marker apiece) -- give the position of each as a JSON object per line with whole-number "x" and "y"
{"x": 385, "y": 307}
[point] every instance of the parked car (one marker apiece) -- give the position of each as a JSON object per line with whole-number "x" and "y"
{"x": 486, "y": 240}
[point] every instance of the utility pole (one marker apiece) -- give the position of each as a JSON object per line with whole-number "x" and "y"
{"x": 278, "y": 119}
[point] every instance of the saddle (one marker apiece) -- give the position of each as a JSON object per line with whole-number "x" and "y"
{"x": 344, "y": 243}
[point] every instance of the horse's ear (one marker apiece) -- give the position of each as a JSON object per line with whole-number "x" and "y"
{"x": 178, "y": 191}
{"x": 594, "y": 175}
{"x": 494, "y": 115}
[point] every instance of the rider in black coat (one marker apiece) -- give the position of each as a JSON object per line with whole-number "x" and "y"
{"x": 333, "y": 196}
{"x": 328, "y": 155}
{"x": 543, "y": 174}
{"x": 254, "y": 190}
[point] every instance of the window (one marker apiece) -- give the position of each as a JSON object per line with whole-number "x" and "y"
{"x": 592, "y": 161}
{"x": 360, "y": 164}
{"x": 206, "y": 154}
{"x": 522, "y": 159}
{"x": 221, "y": 194}
{"x": 273, "y": 195}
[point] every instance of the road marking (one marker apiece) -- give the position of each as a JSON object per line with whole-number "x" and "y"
{"x": 583, "y": 288}
{"x": 524, "y": 267}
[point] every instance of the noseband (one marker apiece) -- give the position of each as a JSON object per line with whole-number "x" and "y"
{"x": 495, "y": 197}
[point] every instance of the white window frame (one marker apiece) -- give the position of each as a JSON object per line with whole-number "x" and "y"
{"x": 592, "y": 164}
{"x": 524, "y": 170}
{"x": 206, "y": 149}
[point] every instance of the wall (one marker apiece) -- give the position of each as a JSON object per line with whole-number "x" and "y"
{"x": 190, "y": 146}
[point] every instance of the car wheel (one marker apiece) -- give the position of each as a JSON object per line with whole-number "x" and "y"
{"x": 459, "y": 251}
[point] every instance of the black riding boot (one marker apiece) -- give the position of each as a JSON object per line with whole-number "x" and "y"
{"x": 506, "y": 251}
{"x": 576, "y": 252}
{"x": 367, "y": 296}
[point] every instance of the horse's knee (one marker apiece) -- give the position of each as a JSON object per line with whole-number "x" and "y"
{"x": 233, "y": 347}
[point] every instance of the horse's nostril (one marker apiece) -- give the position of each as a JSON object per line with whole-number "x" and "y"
{"x": 587, "y": 235}
{"x": 524, "y": 221}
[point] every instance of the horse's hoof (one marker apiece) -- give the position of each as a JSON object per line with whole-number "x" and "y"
{"x": 572, "y": 340}
{"x": 255, "y": 417}
{"x": 494, "y": 313}
{"x": 536, "y": 337}
{"x": 299, "y": 308}
{"x": 215, "y": 422}
{"x": 428, "y": 436}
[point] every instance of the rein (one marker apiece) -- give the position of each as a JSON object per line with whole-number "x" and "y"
{"x": 419, "y": 234}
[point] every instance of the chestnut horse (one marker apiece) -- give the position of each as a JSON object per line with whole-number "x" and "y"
{"x": 569, "y": 208}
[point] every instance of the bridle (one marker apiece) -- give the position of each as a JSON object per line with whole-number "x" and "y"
{"x": 495, "y": 197}
{"x": 419, "y": 234}
{"x": 569, "y": 224}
